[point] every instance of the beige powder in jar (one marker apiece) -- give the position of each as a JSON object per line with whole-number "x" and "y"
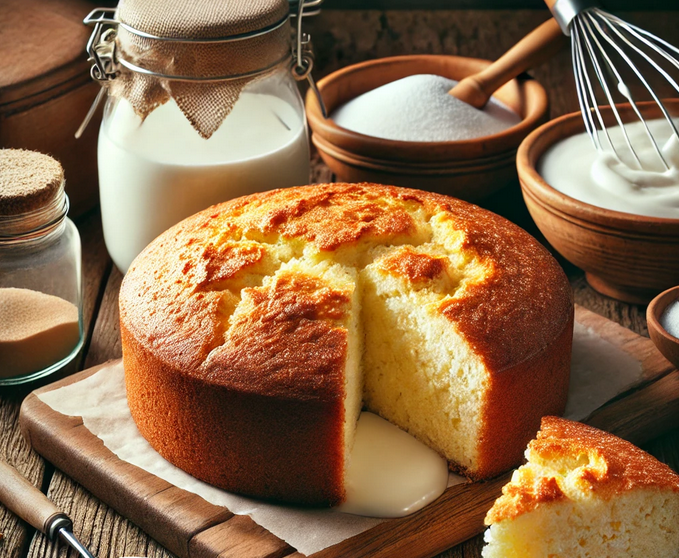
{"x": 36, "y": 330}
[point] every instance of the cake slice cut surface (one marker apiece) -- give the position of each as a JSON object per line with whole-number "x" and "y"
{"x": 585, "y": 493}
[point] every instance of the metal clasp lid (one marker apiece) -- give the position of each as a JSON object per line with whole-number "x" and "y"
{"x": 106, "y": 63}
{"x": 101, "y": 47}
{"x": 101, "y": 51}
{"x": 303, "y": 54}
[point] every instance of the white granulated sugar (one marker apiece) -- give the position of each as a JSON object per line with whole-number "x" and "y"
{"x": 670, "y": 319}
{"x": 418, "y": 108}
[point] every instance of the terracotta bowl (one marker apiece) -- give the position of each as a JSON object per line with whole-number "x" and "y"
{"x": 627, "y": 257}
{"x": 471, "y": 170}
{"x": 667, "y": 344}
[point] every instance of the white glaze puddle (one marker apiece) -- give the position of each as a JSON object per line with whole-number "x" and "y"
{"x": 391, "y": 473}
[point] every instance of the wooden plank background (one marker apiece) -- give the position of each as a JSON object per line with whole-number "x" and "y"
{"x": 341, "y": 38}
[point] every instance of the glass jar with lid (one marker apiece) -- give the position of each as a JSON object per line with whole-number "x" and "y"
{"x": 41, "y": 325}
{"x": 202, "y": 107}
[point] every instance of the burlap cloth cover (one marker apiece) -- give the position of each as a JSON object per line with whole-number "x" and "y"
{"x": 205, "y": 105}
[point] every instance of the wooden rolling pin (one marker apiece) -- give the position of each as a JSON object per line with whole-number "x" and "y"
{"x": 535, "y": 48}
{"x": 25, "y": 500}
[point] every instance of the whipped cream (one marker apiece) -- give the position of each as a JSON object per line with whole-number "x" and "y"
{"x": 574, "y": 167}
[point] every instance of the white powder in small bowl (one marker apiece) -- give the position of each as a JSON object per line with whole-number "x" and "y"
{"x": 418, "y": 108}
{"x": 669, "y": 319}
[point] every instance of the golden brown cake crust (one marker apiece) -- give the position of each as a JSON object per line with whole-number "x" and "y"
{"x": 217, "y": 434}
{"x": 625, "y": 466}
{"x": 518, "y": 397}
{"x": 525, "y": 284}
{"x": 413, "y": 266}
{"x": 175, "y": 306}
{"x": 613, "y": 466}
{"x": 329, "y": 215}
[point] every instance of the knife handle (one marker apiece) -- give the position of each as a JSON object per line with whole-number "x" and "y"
{"x": 26, "y": 501}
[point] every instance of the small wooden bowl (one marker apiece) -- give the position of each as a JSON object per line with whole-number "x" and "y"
{"x": 667, "y": 344}
{"x": 628, "y": 257}
{"x": 471, "y": 170}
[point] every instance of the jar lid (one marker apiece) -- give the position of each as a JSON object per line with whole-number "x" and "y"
{"x": 200, "y": 53}
{"x": 201, "y": 19}
{"x": 29, "y": 181}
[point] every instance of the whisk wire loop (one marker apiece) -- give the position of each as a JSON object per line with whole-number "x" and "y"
{"x": 645, "y": 56}
{"x": 583, "y": 86}
{"x": 604, "y": 47}
{"x": 638, "y": 32}
{"x": 622, "y": 87}
{"x": 607, "y": 20}
{"x": 589, "y": 36}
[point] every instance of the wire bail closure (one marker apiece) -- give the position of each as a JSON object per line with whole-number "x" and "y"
{"x": 304, "y": 54}
{"x": 107, "y": 63}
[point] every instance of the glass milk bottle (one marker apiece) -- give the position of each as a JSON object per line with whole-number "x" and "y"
{"x": 202, "y": 107}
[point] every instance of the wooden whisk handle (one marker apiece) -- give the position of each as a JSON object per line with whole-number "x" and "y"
{"x": 535, "y": 48}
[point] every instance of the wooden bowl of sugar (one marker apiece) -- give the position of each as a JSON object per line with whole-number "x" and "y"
{"x": 471, "y": 168}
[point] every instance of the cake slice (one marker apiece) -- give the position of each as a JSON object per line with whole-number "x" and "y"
{"x": 585, "y": 493}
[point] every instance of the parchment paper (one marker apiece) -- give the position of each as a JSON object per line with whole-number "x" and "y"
{"x": 599, "y": 372}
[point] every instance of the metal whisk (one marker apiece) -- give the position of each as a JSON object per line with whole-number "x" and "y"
{"x": 610, "y": 51}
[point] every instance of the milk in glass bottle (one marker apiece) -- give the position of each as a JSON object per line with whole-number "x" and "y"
{"x": 202, "y": 107}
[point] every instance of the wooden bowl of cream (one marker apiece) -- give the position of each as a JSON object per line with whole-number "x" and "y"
{"x": 468, "y": 169}
{"x": 625, "y": 256}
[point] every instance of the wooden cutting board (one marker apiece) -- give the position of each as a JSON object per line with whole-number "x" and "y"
{"x": 190, "y": 527}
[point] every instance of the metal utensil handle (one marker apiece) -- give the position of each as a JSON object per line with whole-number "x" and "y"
{"x": 26, "y": 501}
{"x": 71, "y": 540}
{"x": 564, "y": 11}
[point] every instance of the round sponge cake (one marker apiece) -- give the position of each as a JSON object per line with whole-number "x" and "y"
{"x": 255, "y": 331}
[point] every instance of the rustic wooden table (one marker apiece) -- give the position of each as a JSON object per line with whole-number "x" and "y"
{"x": 341, "y": 38}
